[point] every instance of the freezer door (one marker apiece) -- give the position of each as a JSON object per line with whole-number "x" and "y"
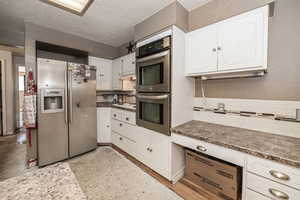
{"x": 82, "y": 109}
{"x": 52, "y": 127}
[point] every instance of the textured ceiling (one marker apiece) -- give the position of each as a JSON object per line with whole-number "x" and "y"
{"x": 107, "y": 21}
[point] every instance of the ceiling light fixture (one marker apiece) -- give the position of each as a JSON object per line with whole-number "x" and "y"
{"x": 78, "y": 7}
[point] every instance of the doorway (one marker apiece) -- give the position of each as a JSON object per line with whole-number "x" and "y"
{"x": 22, "y": 73}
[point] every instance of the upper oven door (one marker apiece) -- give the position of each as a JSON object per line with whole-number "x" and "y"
{"x": 153, "y": 111}
{"x": 153, "y": 72}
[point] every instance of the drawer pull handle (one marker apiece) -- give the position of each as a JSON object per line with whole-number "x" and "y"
{"x": 201, "y": 148}
{"x": 279, "y": 194}
{"x": 279, "y": 175}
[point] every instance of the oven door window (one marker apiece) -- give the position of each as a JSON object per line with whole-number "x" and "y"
{"x": 151, "y": 74}
{"x": 152, "y": 112}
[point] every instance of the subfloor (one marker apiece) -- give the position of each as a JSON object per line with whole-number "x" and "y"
{"x": 13, "y": 155}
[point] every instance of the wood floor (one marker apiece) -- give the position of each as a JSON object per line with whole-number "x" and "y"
{"x": 180, "y": 188}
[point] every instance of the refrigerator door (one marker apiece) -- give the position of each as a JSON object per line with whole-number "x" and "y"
{"x": 82, "y": 109}
{"x": 52, "y": 126}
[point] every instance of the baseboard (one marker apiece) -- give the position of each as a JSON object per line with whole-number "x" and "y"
{"x": 104, "y": 144}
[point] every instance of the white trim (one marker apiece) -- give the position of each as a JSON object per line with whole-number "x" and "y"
{"x": 178, "y": 175}
{"x": 4, "y": 107}
{"x": 154, "y": 38}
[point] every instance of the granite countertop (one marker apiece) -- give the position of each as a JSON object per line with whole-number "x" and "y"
{"x": 282, "y": 149}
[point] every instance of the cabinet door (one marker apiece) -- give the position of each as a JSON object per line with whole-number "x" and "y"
{"x": 129, "y": 64}
{"x": 103, "y": 74}
{"x": 104, "y": 125}
{"x": 106, "y": 75}
{"x": 117, "y": 72}
{"x": 243, "y": 41}
{"x": 160, "y": 150}
{"x": 143, "y": 145}
{"x": 201, "y": 54}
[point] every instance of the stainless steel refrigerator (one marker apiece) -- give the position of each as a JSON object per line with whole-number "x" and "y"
{"x": 66, "y": 110}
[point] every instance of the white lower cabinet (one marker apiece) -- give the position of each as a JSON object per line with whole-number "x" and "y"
{"x": 124, "y": 143}
{"x": 271, "y": 179}
{"x": 154, "y": 150}
{"x": 104, "y": 125}
{"x": 251, "y": 195}
{"x": 149, "y": 147}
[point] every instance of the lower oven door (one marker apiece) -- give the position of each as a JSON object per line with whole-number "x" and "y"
{"x": 154, "y": 111}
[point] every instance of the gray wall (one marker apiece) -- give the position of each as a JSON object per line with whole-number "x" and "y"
{"x": 283, "y": 79}
{"x": 122, "y": 50}
{"x": 52, "y": 36}
{"x": 11, "y": 38}
{"x": 174, "y": 14}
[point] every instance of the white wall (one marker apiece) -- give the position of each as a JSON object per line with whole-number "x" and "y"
{"x": 8, "y": 106}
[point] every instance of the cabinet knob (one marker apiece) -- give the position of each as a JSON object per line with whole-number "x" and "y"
{"x": 121, "y": 138}
{"x": 214, "y": 49}
{"x": 278, "y": 194}
{"x": 279, "y": 175}
{"x": 219, "y": 48}
{"x": 107, "y": 126}
{"x": 121, "y": 124}
{"x": 127, "y": 118}
{"x": 201, "y": 148}
{"x": 115, "y": 115}
{"x": 150, "y": 150}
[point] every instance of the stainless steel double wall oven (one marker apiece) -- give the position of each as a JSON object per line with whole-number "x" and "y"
{"x": 154, "y": 85}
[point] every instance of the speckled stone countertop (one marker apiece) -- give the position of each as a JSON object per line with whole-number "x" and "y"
{"x": 282, "y": 149}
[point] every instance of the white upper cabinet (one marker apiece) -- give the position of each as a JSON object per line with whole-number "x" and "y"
{"x": 243, "y": 41}
{"x": 128, "y": 64}
{"x": 237, "y": 44}
{"x": 116, "y": 74}
{"x": 104, "y": 72}
{"x": 201, "y": 48}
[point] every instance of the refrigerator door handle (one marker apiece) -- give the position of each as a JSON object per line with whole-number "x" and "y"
{"x": 66, "y": 98}
{"x": 70, "y": 97}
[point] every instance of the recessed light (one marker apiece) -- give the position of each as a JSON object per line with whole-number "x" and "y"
{"x": 77, "y": 7}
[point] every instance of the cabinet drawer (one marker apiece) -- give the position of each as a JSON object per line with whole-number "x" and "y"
{"x": 124, "y": 129}
{"x": 222, "y": 153}
{"x": 251, "y": 195}
{"x": 129, "y": 117}
{"x": 275, "y": 171}
{"x": 116, "y": 114}
{"x": 271, "y": 188}
{"x": 124, "y": 143}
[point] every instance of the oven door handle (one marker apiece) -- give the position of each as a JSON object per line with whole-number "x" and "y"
{"x": 165, "y": 96}
{"x": 158, "y": 55}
